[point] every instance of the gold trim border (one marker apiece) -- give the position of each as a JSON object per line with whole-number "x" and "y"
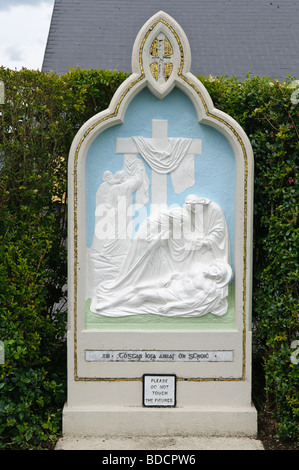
{"x": 113, "y": 115}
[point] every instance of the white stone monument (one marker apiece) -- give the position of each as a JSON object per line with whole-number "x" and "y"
{"x": 159, "y": 272}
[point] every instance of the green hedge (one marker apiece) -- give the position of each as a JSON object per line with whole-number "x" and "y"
{"x": 38, "y": 121}
{"x": 268, "y": 110}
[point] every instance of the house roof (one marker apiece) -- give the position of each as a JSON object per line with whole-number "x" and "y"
{"x": 227, "y": 37}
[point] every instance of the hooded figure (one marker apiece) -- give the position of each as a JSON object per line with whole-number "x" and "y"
{"x": 171, "y": 241}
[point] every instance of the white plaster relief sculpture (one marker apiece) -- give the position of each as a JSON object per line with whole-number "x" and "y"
{"x": 166, "y": 269}
{"x": 185, "y": 294}
{"x": 177, "y": 265}
{"x": 111, "y": 242}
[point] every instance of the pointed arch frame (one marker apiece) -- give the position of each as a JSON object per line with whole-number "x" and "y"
{"x": 207, "y": 114}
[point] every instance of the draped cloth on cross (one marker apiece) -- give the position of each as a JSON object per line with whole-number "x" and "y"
{"x": 164, "y": 155}
{"x": 172, "y": 160}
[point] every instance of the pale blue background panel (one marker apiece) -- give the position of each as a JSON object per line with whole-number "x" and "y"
{"x": 214, "y": 168}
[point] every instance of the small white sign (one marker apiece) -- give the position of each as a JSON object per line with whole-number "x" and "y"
{"x": 159, "y": 390}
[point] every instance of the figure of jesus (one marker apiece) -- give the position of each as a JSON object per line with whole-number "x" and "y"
{"x": 200, "y": 289}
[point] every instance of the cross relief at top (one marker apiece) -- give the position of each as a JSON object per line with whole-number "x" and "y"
{"x": 161, "y": 57}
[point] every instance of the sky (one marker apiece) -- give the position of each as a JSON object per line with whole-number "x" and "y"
{"x": 24, "y": 29}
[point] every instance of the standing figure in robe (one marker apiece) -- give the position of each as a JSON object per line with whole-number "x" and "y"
{"x": 111, "y": 241}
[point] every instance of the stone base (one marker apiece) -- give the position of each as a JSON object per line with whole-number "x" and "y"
{"x": 136, "y": 421}
{"x": 171, "y": 444}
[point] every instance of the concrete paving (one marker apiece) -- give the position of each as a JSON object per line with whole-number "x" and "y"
{"x": 159, "y": 443}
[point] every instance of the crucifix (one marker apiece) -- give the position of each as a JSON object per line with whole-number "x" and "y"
{"x": 161, "y": 141}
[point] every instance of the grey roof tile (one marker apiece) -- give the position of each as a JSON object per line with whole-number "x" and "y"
{"x": 227, "y": 37}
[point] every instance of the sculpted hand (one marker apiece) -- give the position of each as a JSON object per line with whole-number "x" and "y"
{"x": 195, "y": 244}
